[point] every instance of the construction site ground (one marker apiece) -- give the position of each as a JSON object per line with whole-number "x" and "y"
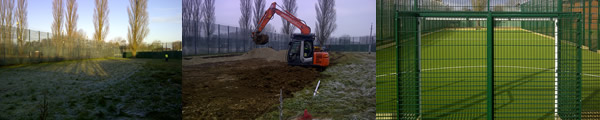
{"x": 247, "y": 86}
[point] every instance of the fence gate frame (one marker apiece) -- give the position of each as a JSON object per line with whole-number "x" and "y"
{"x": 415, "y": 112}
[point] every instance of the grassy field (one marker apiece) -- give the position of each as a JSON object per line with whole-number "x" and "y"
{"x": 453, "y": 76}
{"x": 346, "y": 93}
{"x": 107, "y": 88}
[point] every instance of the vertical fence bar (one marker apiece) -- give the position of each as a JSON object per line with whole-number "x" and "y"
{"x": 589, "y": 17}
{"x": 398, "y": 108}
{"x": 582, "y": 5}
{"x": 218, "y": 39}
{"x": 207, "y": 43}
{"x": 490, "y": 67}
{"x": 579, "y": 69}
{"x": 228, "y": 43}
{"x": 29, "y": 39}
{"x": 556, "y": 43}
{"x": 416, "y": 5}
{"x": 418, "y": 62}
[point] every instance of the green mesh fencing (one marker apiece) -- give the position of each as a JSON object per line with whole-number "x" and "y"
{"x": 524, "y": 59}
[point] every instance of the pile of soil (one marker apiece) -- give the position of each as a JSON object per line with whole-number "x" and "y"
{"x": 243, "y": 89}
{"x": 268, "y": 54}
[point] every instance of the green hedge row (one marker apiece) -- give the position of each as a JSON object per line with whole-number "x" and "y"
{"x": 161, "y": 55}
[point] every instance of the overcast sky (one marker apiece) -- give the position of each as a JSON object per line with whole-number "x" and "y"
{"x": 164, "y": 24}
{"x": 354, "y": 17}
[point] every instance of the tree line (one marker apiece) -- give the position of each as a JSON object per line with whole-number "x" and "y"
{"x": 65, "y": 34}
{"x": 199, "y": 16}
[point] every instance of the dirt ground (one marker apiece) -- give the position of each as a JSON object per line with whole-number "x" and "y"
{"x": 243, "y": 89}
{"x": 262, "y": 53}
{"x": 247, "y": 86}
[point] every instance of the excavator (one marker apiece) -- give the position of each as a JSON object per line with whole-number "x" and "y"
{"x": 301, "y": 51}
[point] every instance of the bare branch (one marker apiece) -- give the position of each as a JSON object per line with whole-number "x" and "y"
{"x": 291, "y": 7}
{"x": 245, "y": 19}
{"x": 326, "y": 18}
{"x": 259, "y": 11}
{"x": 208, "y": 12}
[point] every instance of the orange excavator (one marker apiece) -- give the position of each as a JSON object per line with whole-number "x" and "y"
{"x": 301, "y": 51}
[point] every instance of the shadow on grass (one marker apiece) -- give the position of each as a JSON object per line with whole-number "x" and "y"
{"x": 462, "y": 104}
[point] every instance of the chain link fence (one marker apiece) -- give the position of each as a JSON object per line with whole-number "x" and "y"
{"x": 37, "y": 47}
{"x": 228, "y": 39}
{"x": 411, "y": 78}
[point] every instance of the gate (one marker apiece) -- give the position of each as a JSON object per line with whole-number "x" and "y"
{"x": 481, "y": 66}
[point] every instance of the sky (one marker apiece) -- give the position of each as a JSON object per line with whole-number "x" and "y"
{"x": 354, "y": 17}
{"x": 164, "y": 23}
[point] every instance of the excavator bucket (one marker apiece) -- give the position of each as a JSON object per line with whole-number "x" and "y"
{"x": 261, "y": 39}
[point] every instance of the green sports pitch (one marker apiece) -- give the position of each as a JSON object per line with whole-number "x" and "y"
{"x": 453, "y": 76}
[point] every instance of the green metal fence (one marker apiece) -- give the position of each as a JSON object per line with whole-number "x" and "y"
{"x": 529, "y": 59}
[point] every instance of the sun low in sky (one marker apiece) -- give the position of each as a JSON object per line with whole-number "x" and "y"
{"x": 165, "y": 18}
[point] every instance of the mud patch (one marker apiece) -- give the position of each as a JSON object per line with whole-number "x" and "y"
{"x": 243, "y": 89}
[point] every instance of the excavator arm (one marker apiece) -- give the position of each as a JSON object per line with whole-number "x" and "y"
{"x": 262, "y": 39}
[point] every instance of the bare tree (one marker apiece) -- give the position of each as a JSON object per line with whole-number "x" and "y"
{"x": 291, "y": 7}
{"x": 191, "y": 16}
{"x": 121, "y": 43}
{"x": 71, "y": 24}
{"x": 326, "y": 18}
{"x": 81, "y": 34}
{"x": 186, "y": 14}
{"x": 2, "y": 49}
{"x": 21, "y": 24}
{"x": 259, "y": 11}
{"x": 57, "y": 12}
{"x": 245, "y": 19}
{"x": 269, "y": 28}
{"x": 208, "y": 12}
{"x": 479, "y": 5}
{"x": 8, "y": 6}
{"x": 186, "y": 11}
{"x": 138, "y": 24}
{"x": 101, "y": 20}
{"x": 176, "y": 46}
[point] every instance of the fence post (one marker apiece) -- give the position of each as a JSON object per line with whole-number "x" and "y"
{"x": 369, "y": 40}
{"x": 195, "y": 39}
{"x": 490, "y": 67}
{"x": 207, "y": 44}
{"x": 228, "y": 42}
{"x": 218, "y": 39}
{"x": 29, "y": 39}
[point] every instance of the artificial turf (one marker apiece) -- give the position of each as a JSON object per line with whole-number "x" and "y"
{"x": 453, "y": 77}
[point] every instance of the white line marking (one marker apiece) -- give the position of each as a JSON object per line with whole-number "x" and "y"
{"x": 460, "y": 67}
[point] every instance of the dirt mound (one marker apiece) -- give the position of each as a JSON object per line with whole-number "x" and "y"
{"x": 268, "y": 54}
{"x": 243, "y": 89}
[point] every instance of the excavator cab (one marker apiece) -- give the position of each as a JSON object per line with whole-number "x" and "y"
{"x": 302, "y": 52}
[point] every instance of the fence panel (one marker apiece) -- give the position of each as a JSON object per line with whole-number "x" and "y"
{"x": 525, "y": 82}
{"x": 227, "y": 39}
{"x": 36, "y": 47}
